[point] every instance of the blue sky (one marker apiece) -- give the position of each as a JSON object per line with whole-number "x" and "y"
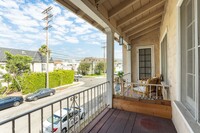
{"x": 21, "y": 26}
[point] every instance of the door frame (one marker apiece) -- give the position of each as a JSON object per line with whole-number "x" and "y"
{"x": 152, "y": 59}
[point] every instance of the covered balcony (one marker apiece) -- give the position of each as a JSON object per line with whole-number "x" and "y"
{"x": 144, "y": 99}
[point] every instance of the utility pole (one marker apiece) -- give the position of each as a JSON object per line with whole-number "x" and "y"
{"x": 104, "y": 57}
{"x": 47, "y": 19}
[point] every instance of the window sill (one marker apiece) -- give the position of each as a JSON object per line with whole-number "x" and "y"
{"x": 193, "y": 125}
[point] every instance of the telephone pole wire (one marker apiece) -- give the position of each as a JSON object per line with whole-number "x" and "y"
{"x": 47, "y": 19}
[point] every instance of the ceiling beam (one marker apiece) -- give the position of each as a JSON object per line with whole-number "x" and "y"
{"x": 143, "y": 20}
{"x": 121, "y": 7}
{"x": 97, "y": 2}
{"x": 144, "y": 32}
{"x": 80, "y": 13}
{"x": 143, "y": 27}
{"x": 140, "y": 11}
{"x": 65, "y": 4}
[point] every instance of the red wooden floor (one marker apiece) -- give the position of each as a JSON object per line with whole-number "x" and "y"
{"x": 118, "y": 121}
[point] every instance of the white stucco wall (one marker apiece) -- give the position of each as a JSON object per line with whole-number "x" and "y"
{"x": 169, "y": 26}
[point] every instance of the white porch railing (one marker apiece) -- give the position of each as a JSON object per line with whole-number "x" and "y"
{"x": 142, "y": 91}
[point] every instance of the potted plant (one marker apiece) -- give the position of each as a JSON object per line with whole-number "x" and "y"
{"x": 119, "y": 82}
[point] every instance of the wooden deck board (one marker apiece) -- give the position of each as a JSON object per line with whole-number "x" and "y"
{"x": 109, "y": 122}
{"x": 95, "y": 121}
{"x": 118, "y": 121}
{"x": 98, "y": 126}
{"x": 130, "y": 123}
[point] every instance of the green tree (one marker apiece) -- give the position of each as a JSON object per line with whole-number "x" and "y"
{"x": 84, "y": 68}
{"x": 7, "y": 78}
{"x": 99, "y": 68}
{"x": 17, "y": 65}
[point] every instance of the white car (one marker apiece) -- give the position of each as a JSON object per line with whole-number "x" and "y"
{"x": 73, "y": 118}
{"x": 78, "y": 75}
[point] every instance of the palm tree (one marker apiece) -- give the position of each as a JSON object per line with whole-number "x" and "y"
{"x": 43, "y": 49}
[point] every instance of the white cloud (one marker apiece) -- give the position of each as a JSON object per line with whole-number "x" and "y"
{"x": 79, "y": 20}
{"x": 71, "y": 39}
{"x": 21, "y": 26}
{"x": 61, "y": 21}
{"x": 8, "y": 3}
{"x": 28, "y": 29}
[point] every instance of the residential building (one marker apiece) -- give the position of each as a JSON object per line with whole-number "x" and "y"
{"x": 67, "y": 64}
{"x": 93, "y": 62}
{"x": 38, "y": 63}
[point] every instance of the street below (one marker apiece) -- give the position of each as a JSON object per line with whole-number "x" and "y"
{"x": 21, "y": 124}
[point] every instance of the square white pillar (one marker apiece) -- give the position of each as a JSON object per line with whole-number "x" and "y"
{"x": 110, "y": 65}
{"x": 126, "y": 63}
{"x": 129, "y": 65}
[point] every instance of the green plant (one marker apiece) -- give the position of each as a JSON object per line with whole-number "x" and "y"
{"x": 84, "y": 68}
{"x": 120, "y": 74}
{"x": 7, "y": 78}
{"x": 99, "y": 68}
{"x": 16, "y": 65}
{"x": 34, "y": 81}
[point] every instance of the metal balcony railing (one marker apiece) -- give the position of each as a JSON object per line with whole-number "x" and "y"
{"x": 74, "y": 112}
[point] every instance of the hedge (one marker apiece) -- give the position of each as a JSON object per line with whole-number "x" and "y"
{"x": 34, "y": 81}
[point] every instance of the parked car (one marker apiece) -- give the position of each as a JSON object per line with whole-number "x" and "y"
{"x": 40, "y": 94}
{"x": 70, "y": 119}
{"x": 10, "y": 101}
{"x": 78, "y": 75}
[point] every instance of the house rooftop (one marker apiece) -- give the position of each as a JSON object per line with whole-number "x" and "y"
{"x": 35, "y": 55}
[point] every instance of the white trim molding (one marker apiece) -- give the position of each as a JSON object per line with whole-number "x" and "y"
{"x": 178, "y": 52}
{"x": 161, "y": 40}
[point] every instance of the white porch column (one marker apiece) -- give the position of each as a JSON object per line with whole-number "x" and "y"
{"x": 129, "y": 65}
{"x": 110, "y": 65}
{"x": 126, "y": 63}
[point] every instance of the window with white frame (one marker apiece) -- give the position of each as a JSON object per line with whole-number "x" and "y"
{"x": 164, "y": 58}
{"x": 43, "y": 67}
{"x": 189, "y": 56}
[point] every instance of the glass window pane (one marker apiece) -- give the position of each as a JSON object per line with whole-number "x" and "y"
{"x": 190, "y": 37}
{"x": 148, "y": 64}
{"x": 141, "y": 51}
{"x": 199, "y": 77}
{"x": 190, "y": 61}
{"x": 142, "y": 64}
{"x": 148, "y": 70}
{"x": 190, "y": 86}
{"x": 198, "y": 3}
{"x": 189, "y": 12}
{"x": 148, "y": 58}
{"x": 142, "y": 70}
{"x": 142, "y": 58}
{"x": 148, "y": 51}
